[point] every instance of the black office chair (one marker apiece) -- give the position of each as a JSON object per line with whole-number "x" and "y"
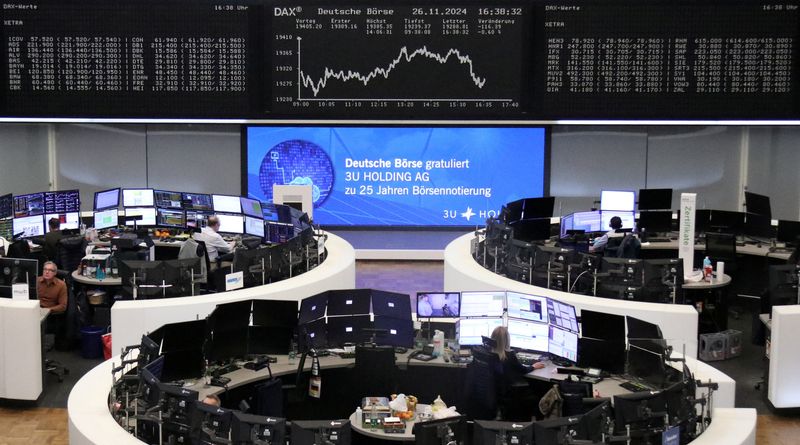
{"x": 375, "y": 372}
{"x": 572, "y": 394}
{"x": 19, "y": 249}
{"x": 69, "y": 252}
{"x": 57, "y": 325}
{"x": 494, "y": 243}
{"x": 629, "y": 247}
{"x": 519, "y": 260}
{"x": 722, "y": 247}
{"x": 482, "y": 385}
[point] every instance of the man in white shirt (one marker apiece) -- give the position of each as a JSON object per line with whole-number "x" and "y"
{"x": 600, "y": 242}
{"x": 214, "y": 242}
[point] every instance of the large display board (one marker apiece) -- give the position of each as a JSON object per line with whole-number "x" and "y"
{"x": 534, "y": 59}
{"x": 399, "y": 176}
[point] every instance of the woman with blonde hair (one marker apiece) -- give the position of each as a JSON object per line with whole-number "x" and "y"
{"x": 508, "y": 358}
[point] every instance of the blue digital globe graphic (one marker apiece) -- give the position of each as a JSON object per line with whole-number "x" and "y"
{"x": 297, "y": 162}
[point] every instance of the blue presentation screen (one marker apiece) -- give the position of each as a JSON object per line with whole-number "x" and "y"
{"x": 399, "y": 176}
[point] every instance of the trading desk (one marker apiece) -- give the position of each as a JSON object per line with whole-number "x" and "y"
{"x": 90, "y": 421}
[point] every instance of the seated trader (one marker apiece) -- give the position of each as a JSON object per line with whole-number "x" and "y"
{"x": 512, "y": 370}
{"x": 212, "y": 400}
{"x": 600, "y": 242}
{"x": 51, "y": 239}
{"x": 516, "y": 395}
{"x": 214, "y": 242}
{"x": 52, "y": 291}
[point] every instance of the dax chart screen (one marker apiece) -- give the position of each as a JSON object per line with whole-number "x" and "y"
{"x": 399, "y": 176}
{"x": 431, "y": 60}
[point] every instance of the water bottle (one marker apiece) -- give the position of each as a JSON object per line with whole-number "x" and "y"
{"x": 373, "y": 416}
{"x": 707, "y": 269}
{"x": 101, "y": 273}
{"x": 359, "y": 416}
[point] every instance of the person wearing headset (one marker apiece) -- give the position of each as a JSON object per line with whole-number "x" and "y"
{"x": 600, "y": 242}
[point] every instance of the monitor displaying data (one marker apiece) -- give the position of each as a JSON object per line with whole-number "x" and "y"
{"x": 105, "y": 219}
{"x": 137, "y": 198}
{"x": 148, "y": 215}
{"x": 28, "y": 226}
{"x": 251, "y": 207}
{"x": 63, "y": 201}
{"x": 197, "y": 218}
{"x": 617, "y": 200}
{"x": 528, "y": 335}
{"x": 483, "y": 304}
{"x": 168, "y": 200}
{"x": 527, "y": 307}
{"x": 470, "y": 330}
{"x": 170, "y": 217}
{"x": 399, "y": 176}
{"x": 106, "y": 199}
{"x": 227, "y": 204}
{"x": 254, "y": 226}
{"x": 628, "y": 219}
{"x": 563, "y": 343}
{"x": 231, "y": 223}
{"x": 562, "y": 315}
{"x": 6, "y": 206}
{"x": 28, "y": 205}
{"x": 69, "y": 220}
{"x": 197, "y": 201}
{"x": 588, "y": 222}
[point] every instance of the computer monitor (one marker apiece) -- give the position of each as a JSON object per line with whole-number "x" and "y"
{"x": 588, "y": 222}
{"x": 437, "y": 432}
{"x": 230, "y": 316}
{"x": 69, "y": 220}
{"x": 254, "y": 226}
{"x": 563, "y": 343}
{"x": 758, "y": 226}
{"x": 138, "y": 198}
{"x": 531, "y": 229}
{"x": 646, "y": 365}
{"x": 251, "y": 207}
{"x": 662, "y": 277}
{"x": 399, "y": 332}
{"x": 106, "y": 199}
{"x": 146, "y": 276}
{"x": 527, "y": 307}
{"x": 167, "y": 199}
{"x": 347, "y": 329}
{"x": 491, "y": 432}
{"x": 483, "y": 304}
{"x": 197, "y": 218}
{"x": 250, "y": 429}
{"x": 275, "y": 313}
{"x": 629, "y": 272}
{"x": 562, "y": 315}
{"x": 621, "y": 200}
{"x": 592, "y": 424}
{"x": 528, "y": 335}
{"x": 655, "y": 199}
{"x": 149, "y": 349}
{"x": 788, "y": 231}
{"x": 231, "y": 223}
{"x": 512, "y": 211}
{"x": 567, "y": 223}
{"x": 726, "y": 221}
{"x": 602, "y": 326}
{"x": 183, "y": 365}
{"x": 438, "y": 304}
{"x": 6, "y": 206}
{"x": 758, "y": 204}
{"x": 314, "y": 432}
{"x": 177, "y": 403}
{"x": 642, "y": 330}
{"x": 643, "y": 411}
{"x": 655, "y": 221}
{"x": 628, "y": 219}
{"x": 28, "y": 205}
{"x": 312, "y": 335}
{"x": 533, "y": 208}
{"x": 602, "y": 354}
{"x": 104, "y": 219}
{"x": 227, "y": 203}
{"x": 148, "y": 215}
{"x": 28, "y": 226}
{"x": 349, "y": 302}
{"x": 149, "y": 390}
{"x": 183, "y": 336}
{"x": 277, "y": 232}
{"x": 211, "y": 423}
{"x": 391, "y": 304}
{"x": 7, "y": 228}
{"x": 702, "y": 220}
{"x": 313, "y": 308}
{"x": 469, "y": 331}
{"x": 172, "y": 218}
{"x": 555, "y": 431}
{"x": 62, "y": 201}
{"x": 269, "y": 211}
{"x": 197, "y": 201}
{"x": 18, "y": 271}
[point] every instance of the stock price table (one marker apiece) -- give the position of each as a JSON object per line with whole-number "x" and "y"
{"x": 388, "y": 61}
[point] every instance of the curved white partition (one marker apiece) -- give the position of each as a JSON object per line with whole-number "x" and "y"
{"x": 20, "y": 346}
{"x": 131, "y": 319}
{"x": 462, "y": 273}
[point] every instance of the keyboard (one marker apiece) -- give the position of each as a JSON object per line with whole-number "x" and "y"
{"x": 346, "y": 354}
{"x": 228, "y": 368}
{"x": 634, "y": 386}
{"x": 527, "y": 359}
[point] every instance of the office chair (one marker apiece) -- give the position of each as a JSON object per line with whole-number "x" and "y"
{"x": 211, "y": 276}
{"x": 19, "y": 249}
{"x": 69, "y": 252}
{"x": 57, "y": 326}
{"x": 192, "y": 248}
{"x": 519, "y": 260}
{"x": 629, "y": 247}
{"x": 375, "y": 372}
{"x": 722, "y": 247}
{"x": 573, "y": 393}
{"x": 482, "y": 385}
{"x": 494, "y": 244}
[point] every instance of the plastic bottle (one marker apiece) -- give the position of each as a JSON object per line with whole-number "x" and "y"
{"x": 101, "y": 272}
{"x": 359, "y": 416}
{"x": 373, "y": 416}
{"x": 438, "y": 343}
{"x": 707, "y": 269}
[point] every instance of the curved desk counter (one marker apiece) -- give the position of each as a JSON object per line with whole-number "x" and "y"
{"x": 462, "y": 273}
{"x": 90, "y": 421}
{"x": 20, "y": 343}
{"x": 131, "y": 319}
